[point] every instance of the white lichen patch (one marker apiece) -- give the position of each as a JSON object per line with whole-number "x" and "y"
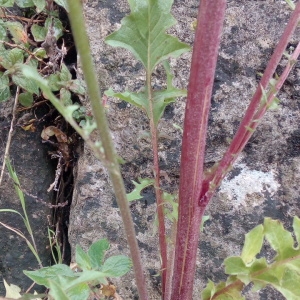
{"x": 248, "y": 186}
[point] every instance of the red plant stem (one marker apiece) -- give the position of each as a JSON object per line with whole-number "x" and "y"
{"x": 254, "y": 112}
{"x": 158, "y": 192}
{"x": 204, "y": 58}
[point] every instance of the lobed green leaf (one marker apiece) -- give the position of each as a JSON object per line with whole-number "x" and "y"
{"x": 143, "y": 33}
{"x": 138, "y": 187}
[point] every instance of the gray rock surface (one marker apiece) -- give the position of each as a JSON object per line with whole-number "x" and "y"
{"x": 30, "y": 159}
{"x": 264, "y": 181}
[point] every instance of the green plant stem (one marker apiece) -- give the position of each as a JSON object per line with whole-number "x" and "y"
{"x": 255, "y": 111}
{"x": 82, "y": 44}
{"x": 204, "y": 58}
{"x": 158, "y": 192}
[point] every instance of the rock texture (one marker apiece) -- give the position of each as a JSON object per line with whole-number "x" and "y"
{"x": 30, "y": 159}
{"x": 264, "y": 181}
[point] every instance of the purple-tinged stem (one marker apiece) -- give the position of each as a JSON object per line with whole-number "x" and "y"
{"x": 254, "y": 112}
{"x": 204, "y": 59}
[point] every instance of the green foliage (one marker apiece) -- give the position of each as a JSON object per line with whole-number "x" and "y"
{"x": 282, "y": 272}
{"x": 143, "y": 33}
{"x": 16, "y": 50}
{"x": 138, "y": 187}
{"x": 64, "y": 283}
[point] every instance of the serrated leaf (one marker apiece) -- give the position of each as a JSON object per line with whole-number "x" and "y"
{"x": 26, "y": 83}
{"x": 57, "y": 291}
{"x": 24, "y": 3}
{"x": 54, "y": 82}
{"x": 143, "y": 33}
{"x": 77, "y": 86}
{"x": 96, "y": 253}
{"x": 55, "y": 25}
{"x": 42, "y": 276}
{"x": 40, "y": 53}
{"x": 296, "y": 227}
{"x": 280, "y": 239}
{"x": 62, "y": 3}
{"x": 65, "y": 96}
{"x": 26, "y": 99}
{"x": 138, "y": 187}
{"x": 80, "y": 291}
{"x": 4, "y": 87}
{"x": 39, "y": 33}
{"x": 17, "y": 31}
{"x": 3, "y": 33}
{"x": 7, "y": 3}
{"x": 65, "y": 74}
{"x": 40, "y": 5}
{"x": 82, "y": 259}
{"x": 253, "y": 243}
{"x": 8, "y": 58}
{"x": 116, "y": 266}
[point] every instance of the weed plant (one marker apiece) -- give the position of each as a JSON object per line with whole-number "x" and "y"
{"x": 143, "y": 33}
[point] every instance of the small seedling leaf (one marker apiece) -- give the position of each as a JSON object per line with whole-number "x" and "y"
{"x": 234, "y": 265}
{"x": 4, "y": 87}
{"x": 62, "y": 3}
{"x": 55, "y": 25}
{"x": 80, "y": 291}
{"x": 143, "y": 33}
{"x": 26, "y": 83}
{"x": 82, "y": 259}
{"x": 26, "y": 99}
{"x": 65, "y": 74}
{"x": 24, "y": 3}
{"x": 65, "y": 97}
{"x": 253, "y": 243}
{"x": 39, "y": 33}
{"x": 138, "y": 187}
{"x": 7, "y": 3}
{"x": 40, "y": 5}
{"x": 116, "y": 266}
{"x": 280, "y": 239}
{"x": 57, "y": 291}
{"x": 296, "y": 227}
{"x": 96, "y": 253}
{"x": 77, "y": 86}
{"x": 17, "y": 31}
{"x": 42, "y": 276}
{"x": 208, "y": 291}
{"x": 87, "y": 276}
{"x": 54, "y": 82}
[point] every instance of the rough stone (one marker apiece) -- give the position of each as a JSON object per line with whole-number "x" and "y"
{"x": 264, "y": 181}
{"x": 30, "y": 159}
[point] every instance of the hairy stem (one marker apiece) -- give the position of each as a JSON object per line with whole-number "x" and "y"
{"x": 82, "y": 44}
{"x": 158, "y": 192}
{"x": 204, "y": 58}
{"x": 255, "y": 110}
